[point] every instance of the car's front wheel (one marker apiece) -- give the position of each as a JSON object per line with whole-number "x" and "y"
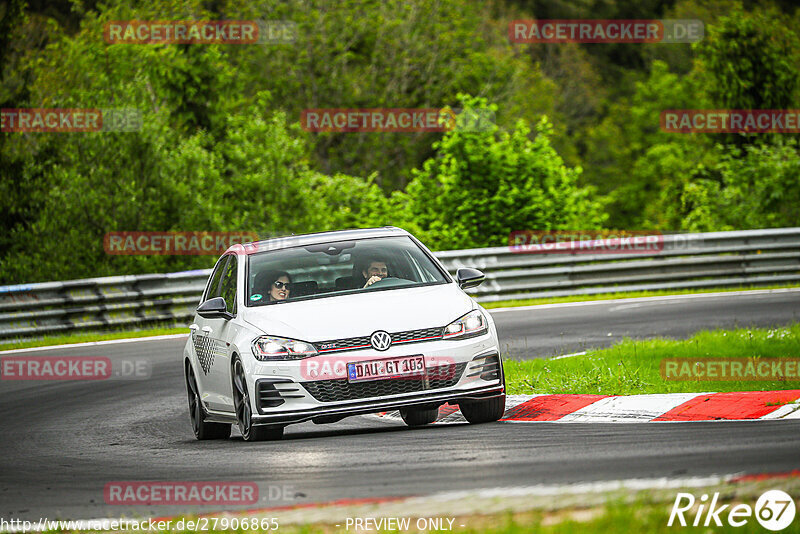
{"x": 483, "y": 411}
{"x": 241, "y": 403}
{"x": 202, "y": 429}
{"x": 419, "y": 416}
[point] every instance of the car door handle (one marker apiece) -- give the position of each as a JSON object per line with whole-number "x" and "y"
{"x": 206, "y": 330}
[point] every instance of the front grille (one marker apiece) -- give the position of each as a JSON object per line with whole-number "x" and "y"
{"x": 352, "y": 343}
{"x": 445, "y": 376}
{"x": 424, "y": 334}
{"x": 362, "y": 342}
{"x": 341, "y": 390}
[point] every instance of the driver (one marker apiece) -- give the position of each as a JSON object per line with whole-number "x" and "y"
{"x": 375, "y": 271}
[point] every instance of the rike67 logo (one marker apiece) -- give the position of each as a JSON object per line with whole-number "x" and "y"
{"x": 774, "y": 510}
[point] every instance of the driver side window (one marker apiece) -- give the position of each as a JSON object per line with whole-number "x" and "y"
{"x": 213, "y": 289}
{"x": 229, "y": 285}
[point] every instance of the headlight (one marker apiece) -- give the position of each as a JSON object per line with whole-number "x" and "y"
{"x": 470, "y": 325}
{"x": 281, "y": 348}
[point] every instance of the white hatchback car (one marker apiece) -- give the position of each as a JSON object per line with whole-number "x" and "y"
{"x": 324, "y": 326}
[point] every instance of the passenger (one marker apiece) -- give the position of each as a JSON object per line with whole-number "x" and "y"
{"x": 279, "y": 284}
{"x": 375, "y": 271}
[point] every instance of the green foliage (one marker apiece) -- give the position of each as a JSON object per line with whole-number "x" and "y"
{"x": 482, "y": 185}
{"x": 221, "y": 147}
{"x": 753, "y": 187}
{"x": 751, "y": 59}
{"x": 624, "y": 150}
{"x": 343, "y": 201}
{"x": 395, "y": 54}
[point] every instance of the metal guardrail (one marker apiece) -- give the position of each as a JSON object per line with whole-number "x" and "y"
{"x": 683, "y": 261}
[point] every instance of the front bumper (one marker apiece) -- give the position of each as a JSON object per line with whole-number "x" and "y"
{"x": 335, "y": 412}
{"x": 456, "y": 371}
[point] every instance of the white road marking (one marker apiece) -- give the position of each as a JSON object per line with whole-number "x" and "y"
{"x": 646, "y": 299}
{"x": 94, "y": 343}
{"x": 628, "y": 408}
{"x": 787, "y": 411}
{"x": 589, "y": 487}
{"x": 581, "y": 353}
{"x": 626, "y": 307}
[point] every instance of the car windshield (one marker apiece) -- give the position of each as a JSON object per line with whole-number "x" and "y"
{"x": 341, "y": 267}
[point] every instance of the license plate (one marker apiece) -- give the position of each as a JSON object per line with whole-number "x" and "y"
{"x": 383, "y": 369}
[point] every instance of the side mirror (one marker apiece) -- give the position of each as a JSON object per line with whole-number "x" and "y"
{"x": 468, "y": 278}
{"x": 214, "y": 309}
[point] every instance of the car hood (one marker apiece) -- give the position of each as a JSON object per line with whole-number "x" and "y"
{"x": 361, "y": 314}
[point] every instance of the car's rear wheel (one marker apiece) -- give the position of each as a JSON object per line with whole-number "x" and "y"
{"x": 483, "y": 411}
{"x": 241, "y": 403}
{"x": 202, "y": 429}
{"x": 419, "y": 416}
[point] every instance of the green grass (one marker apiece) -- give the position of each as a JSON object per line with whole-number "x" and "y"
{"x": 623, "y": 295}
{"x": 91, "y": 336}
{"x": 633, "y": 367}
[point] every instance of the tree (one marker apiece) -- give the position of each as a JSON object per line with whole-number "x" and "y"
{"x": 751, "y": 60}
{"x": 757, "y": 186}
{"x": 482, "y": 185}
{"x": 395, "y": 54}
{"x": 622, "y": 158}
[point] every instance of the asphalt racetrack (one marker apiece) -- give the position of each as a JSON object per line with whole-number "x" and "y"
{"x": 64, "y": 441}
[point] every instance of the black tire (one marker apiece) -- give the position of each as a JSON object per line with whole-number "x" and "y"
{"x": 202, "y": 429}
{"x": 419, "y": 416}
{"x": 483, "y": 411}
{"x": 241, "y": 403}
{"x": 265, "y": 433}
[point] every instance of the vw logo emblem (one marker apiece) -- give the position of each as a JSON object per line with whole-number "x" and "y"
{"x": 380, "y": 340}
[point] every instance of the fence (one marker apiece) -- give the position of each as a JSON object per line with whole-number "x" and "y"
{"x": 684, "y": 261}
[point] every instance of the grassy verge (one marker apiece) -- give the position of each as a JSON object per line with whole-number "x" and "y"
{"x": 634, "y": 367}
{"x": 91, "y": 336}
{"x": 624, "y": 295}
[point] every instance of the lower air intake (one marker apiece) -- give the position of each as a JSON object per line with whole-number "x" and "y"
{"x": 341, "y": 390}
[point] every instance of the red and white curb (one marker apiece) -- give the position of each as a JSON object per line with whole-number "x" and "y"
{"x": 662, "y": 407}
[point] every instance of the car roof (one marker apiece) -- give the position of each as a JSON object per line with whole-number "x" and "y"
{"x": 315, "y": 238}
